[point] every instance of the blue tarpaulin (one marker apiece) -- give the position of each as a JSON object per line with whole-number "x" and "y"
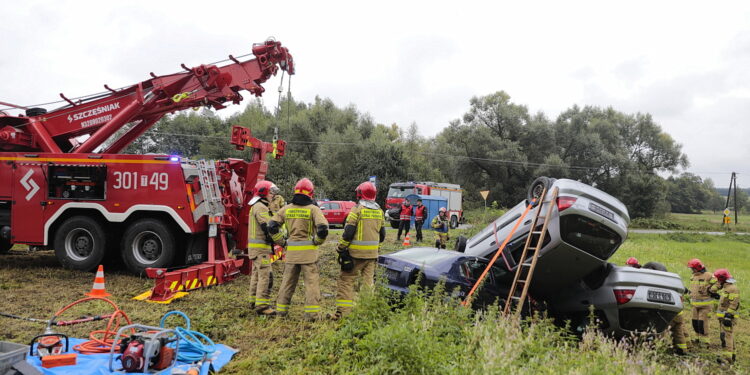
{"x": 433, "y": 204}
{"x": 98, "y": 364}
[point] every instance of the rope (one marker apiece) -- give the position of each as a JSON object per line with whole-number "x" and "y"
{"x": 100, "y": 341}
{"x": 497, "y": 254}
{"x": 194, "y": 346}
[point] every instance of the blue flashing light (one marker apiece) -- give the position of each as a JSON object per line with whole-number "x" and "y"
{"x": 174, "y": 158}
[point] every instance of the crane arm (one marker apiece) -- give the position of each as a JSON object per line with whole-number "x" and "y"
{"x": 142, "y": 104}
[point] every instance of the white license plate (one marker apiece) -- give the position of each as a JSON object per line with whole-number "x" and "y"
{"x": 661, "y": 297}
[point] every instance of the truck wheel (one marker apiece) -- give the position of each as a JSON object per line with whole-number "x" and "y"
{"x": 147, "y": 243}
{"x": 454, "y": 222}
{"x": 80, "y": 243}
{"x": 5, "y": 246}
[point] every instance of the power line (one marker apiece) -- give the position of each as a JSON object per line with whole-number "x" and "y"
{"x": 489, "y": 160}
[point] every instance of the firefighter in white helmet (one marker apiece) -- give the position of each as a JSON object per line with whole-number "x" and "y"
{"x": 440, "y": 225}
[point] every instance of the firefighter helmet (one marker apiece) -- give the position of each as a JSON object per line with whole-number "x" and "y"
{"x": 722, "y": 275}
{"x": 633, "y": 262}
{"x": 304, "y": 187}
{"x": 696, "y": 264}
{"x": 366, "y": 191}
{"x": 262, "y": 188}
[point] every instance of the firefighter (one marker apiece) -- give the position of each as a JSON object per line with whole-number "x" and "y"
{"x": 420, "y": 214}
{"x": 259, "y": 245}
{"x": 405, "y": 219}
{"x": 728, "y": 295}
{"x": 440, "y": 225}
{"x": 633, "y": 262}
{"x": 307, "y": 229}
{"x": 700, "y": 283}
{"x": 277, "y": 200}
{"x": 358, "y": 248}
{"x": 677, "y": 325}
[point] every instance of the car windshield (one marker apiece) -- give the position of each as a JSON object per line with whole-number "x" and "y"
{"x": 589, "y": 236}
{"x": 400, "y": 191}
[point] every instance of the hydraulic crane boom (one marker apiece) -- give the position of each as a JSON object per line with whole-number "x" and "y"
{"x": 140, "y": 105}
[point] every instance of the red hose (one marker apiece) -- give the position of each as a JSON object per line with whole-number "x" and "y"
{"x": 101, "y": 341}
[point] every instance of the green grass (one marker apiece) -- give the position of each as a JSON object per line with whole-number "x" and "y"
{"x": 429, "y": 335}
{"x": 706, "y": 221}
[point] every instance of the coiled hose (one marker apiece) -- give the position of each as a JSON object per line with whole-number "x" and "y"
{"x": 194, "y": 346}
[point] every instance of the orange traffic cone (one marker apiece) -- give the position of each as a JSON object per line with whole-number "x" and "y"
{"x": 98, "y": 289}
{"x": 406, "y": 240}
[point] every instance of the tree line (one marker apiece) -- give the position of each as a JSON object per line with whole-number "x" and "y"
{"x": 497, "y": 145}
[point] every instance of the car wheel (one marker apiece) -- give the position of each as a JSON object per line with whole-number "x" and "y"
{"x": 454, "y": 222}
{"x": 537, "y": 188}
{"x": 5, "y": 246}
{"x": 147, "y": 243}
{"x": 394, "y": 224}
{"x": 461, "y": 244}
{"x": 80, "y": 243}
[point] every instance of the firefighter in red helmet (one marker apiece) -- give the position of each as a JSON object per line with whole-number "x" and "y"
{"x": 700, "y": 282}
{"x": 364, "y": 230}
{"x": 726, "y": 291}
{"x": 259, "y": 246}
{"x": 307, "y": 229}
{"x": 633, "y": 262}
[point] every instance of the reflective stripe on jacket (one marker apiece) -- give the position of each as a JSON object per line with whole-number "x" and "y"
{"x": 257, "y": 242}
{"x": 301, "y": 223}
{"x": 420, "y": 213}
{"x": 405, "y": 212}
{"x": 366, "y": 241}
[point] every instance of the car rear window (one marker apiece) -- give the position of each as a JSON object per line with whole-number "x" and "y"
{"x": 590, "y": 236}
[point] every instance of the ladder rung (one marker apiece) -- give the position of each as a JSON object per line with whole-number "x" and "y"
{"x": 536, "y": 232}
{"x": 514, "y": 297}
{"x": 521, "y": 281}
{"x": 526, "y": 264}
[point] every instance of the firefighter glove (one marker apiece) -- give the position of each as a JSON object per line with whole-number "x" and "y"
{"x": 346, "y": 261}
{"x": 727, "y": 322}
{"x": 714, "y": 295}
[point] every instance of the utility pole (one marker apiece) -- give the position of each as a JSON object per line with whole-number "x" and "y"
{"x": 727, "y": 212}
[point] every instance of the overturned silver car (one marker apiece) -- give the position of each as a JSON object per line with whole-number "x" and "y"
{"x": 586, "y": 228}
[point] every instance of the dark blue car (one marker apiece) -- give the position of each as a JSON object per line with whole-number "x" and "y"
{"x": 458, "y": 270}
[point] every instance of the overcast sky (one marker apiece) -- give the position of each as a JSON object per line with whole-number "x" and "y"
{"x": 408, "y": 61}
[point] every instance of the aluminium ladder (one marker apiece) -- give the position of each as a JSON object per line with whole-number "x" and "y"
{"x": 525, "y": 270}
{"x": 211, "y": 194}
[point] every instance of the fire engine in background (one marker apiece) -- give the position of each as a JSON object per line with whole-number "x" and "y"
{"x": 399, "y": 190}
{"x": 65, "y": 186}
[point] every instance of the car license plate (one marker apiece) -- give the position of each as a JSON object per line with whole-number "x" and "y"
{"x": 661, "y": 297}
{"x": 392, "y": 275}
{"x": 602, "y": 211}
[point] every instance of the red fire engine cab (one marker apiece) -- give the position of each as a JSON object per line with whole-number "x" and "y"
{"x": 64, "y": 184}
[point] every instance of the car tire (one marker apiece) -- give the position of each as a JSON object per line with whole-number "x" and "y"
{"x": 80, "y": 243}
{"x": 454, "y": 222}
{"x": 5, "y": 246}
{"x": 394, "y": 224}
{"x": 461, "y": 244}
{"x": 147, "y": 243}
{"x": 536, "y": 188}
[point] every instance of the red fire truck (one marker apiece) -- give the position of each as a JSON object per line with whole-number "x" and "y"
{"x": 64, "y": 184}
{"x": 399, "y": 190}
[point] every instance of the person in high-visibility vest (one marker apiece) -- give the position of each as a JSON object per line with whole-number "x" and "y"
{"x": 307, "y": 229}
{"x": 700, "y": 283}
{"x": 420, "y": 215}
{"x": 259, "y": 245}
{"x": 440, "y": 225}
{"x": 726, "y": 291}
{"x": 405, "y": 219}
{"x": 358, "y": 248}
